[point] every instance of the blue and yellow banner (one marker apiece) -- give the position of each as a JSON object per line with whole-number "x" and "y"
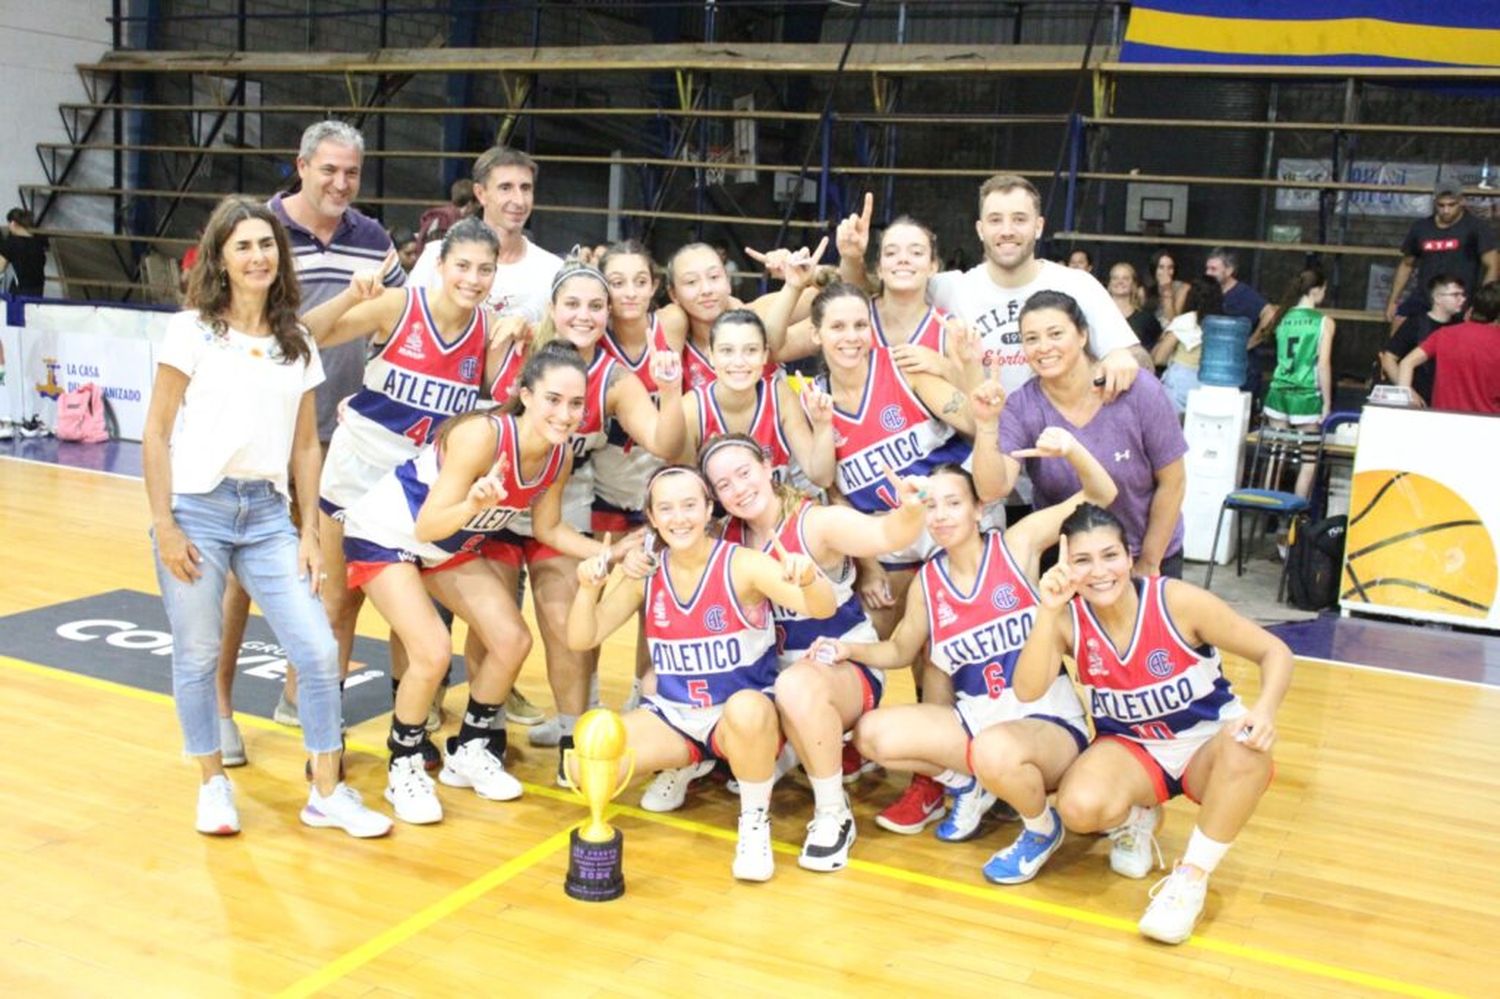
{"x": 1298, "y": 33}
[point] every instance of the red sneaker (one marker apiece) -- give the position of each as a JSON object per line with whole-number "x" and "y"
{"x": 855, "y": 765}
{"x": 921, "y": 805}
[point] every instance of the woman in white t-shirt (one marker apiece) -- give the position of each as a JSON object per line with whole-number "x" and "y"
{"x": 231, "y": 407}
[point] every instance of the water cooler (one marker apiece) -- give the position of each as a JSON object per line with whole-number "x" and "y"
{"x": 1215, "y": 423}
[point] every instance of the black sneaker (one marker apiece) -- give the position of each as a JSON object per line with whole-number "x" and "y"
{"x": 33, "y": 427}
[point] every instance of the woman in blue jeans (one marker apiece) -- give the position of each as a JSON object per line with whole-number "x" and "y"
{"x": 239, "y": 371}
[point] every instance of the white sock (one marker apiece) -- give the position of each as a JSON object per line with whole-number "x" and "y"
{"x": 828, "y": 793}
{"x": 953, "y": 780}
{"x": 755, "y": 794}
{"x": 1204, "y": 853}
{"x": 1044, "y": 824}
{"x": 565, "y": 723}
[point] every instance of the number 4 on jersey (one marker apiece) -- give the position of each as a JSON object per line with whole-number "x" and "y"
{"x": 417, "y": 432}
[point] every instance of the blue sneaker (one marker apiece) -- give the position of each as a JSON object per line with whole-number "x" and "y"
{"x": 969, "y": 806}
{"x": 1020, "y": 861}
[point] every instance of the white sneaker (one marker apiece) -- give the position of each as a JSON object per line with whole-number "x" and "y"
{"x": 412, "y": 793}
{"x": 753, "y": 860}
{"x": 473, "y": 765}
{"x": 435, "y": 709}
{"x": 231, "y": 743}
{"x": 6, "y": 433}
{"x": 545, "y": 733}
{"x": 216, "y": 812}
{"x": 345, "y": 809}
{"x": 1133, "y": 852}
{"x": 285, "y": 712}
{"x": 830, "y": 834}
{"x": 668, "y": 789}
{"x": 1176, "y": 904}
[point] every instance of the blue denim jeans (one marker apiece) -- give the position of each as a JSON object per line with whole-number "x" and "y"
{"x": 243, "y": 527}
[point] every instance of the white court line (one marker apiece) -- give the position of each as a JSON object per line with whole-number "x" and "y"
{"x": 71, "y": 468}
{"x": 1400, "y": 672}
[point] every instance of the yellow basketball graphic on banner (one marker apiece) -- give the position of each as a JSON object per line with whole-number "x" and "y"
{"x": 1415, "y": 543}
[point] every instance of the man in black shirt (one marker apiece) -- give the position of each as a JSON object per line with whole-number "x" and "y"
{"x": 1450, "y": 242}
{"x": 1446, "y": 293}
{"x": 26, "y": 253}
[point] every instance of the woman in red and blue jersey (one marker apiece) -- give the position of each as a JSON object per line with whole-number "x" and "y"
{"x": 419, "y": 532}
{"x": 712, "y": 643}
{"x": 1147, "y": 655}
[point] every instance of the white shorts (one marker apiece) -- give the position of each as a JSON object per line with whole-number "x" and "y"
{"x": 1174, "y": 755}
{"x": 346, "y": 475}
{"x": 1058, "y": 705}
{"x": 695, "y": 725}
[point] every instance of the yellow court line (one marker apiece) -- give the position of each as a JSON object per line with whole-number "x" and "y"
{"x": 984, "y": 893}
{"x": 416, "y": 923}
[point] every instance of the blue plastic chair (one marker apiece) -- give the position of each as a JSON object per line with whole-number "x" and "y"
{"x": 1278, "y": 453}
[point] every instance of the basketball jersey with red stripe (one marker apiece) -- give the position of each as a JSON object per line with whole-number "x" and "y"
{"x": 931, "y": 330}
{"x": 765, "y": 424}
{"x": 976, "y": 637}
{"x": 507, "y": 374}
{"x": 1161, "y": 688}
{"x": 413, "y": 382}
{"x": 796, "y": 633}
{"x": 622, "y": 465}
{"x": 891, "y": 426}
{"x": 707, "y": 648}
{"x": 387, "y": 514}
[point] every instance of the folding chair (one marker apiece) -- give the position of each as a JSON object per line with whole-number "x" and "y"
{"x": 1278, "y": 454}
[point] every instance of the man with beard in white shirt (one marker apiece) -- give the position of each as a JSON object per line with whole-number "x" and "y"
{"x": 988, "y": 298}
{"x": 505, "y": 187}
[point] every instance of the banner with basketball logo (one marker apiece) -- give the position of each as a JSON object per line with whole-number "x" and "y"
{"x": 1424, "y": 518}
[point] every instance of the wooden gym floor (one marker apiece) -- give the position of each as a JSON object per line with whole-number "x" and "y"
{"x": 1372, "y": 866}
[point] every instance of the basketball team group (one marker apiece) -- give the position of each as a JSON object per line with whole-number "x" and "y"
{"x": 982, "y": 484}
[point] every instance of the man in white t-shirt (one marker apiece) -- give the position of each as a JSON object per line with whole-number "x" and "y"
{"x": 989, "y": 297}
{"x": 505, "y": 187}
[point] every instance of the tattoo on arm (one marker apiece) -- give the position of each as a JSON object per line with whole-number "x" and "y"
{"x": 955, "y": 403}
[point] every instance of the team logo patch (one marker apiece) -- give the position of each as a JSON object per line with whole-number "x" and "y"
{"x": 945, "y": 614}
{"x": 715, "y": 620}
{"x": 412, "y": 346}
{"x": 1158, "y": 663}
{"x": 1004, "y": 597}
{"x": 659, "y": 610}
{"x": 1095, "y": 660}
{"x": 892, "y": 419}
{"x": 469, "y": 369}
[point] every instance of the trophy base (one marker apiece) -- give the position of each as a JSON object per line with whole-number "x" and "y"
{"x": 596, "y": 870}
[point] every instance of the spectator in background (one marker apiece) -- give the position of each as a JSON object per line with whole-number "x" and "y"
{"x": 731, "y": 268}
{"x": 185, "y": 268}
{"x": 1467, "y": 356}
{"x": 407, "y": 248}
{"x": 1301, "y": 392}
{"x": 1452, "y": 242}
{"x": 505, "y": 188}
{"x": 1242, "y": 300}
{"x": 1135, "y": 437}
{"x": 1129, "y": 297}
{"x": 1446, "y": 293}
{"x": 1181, "y": 345}
{"x": 25, "y": 253}
{"x": 435, "y": 222}
{"x": 1167, "y": 294}
{"x": 1081, "y": 260}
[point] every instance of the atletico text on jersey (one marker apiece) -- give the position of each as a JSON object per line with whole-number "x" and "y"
{"x": 622, "y": 465}
{"x": 1158, "y": 690}
{"x": 976, "y": 639}
{"x": 890, "y": 427}
{"x": 765, "y": 424}
{"x": 930, "y": 332}
{"x": 796, "y": 633}
{"x": 381, "y": 526}
{"x": 708, "y": 647}
{"x": 413, "y": 382}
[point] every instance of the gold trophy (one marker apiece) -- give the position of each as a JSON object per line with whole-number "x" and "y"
{"x": 596, "y": 861}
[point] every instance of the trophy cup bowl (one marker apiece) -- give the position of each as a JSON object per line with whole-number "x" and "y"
{"x": 596, "y": 859}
